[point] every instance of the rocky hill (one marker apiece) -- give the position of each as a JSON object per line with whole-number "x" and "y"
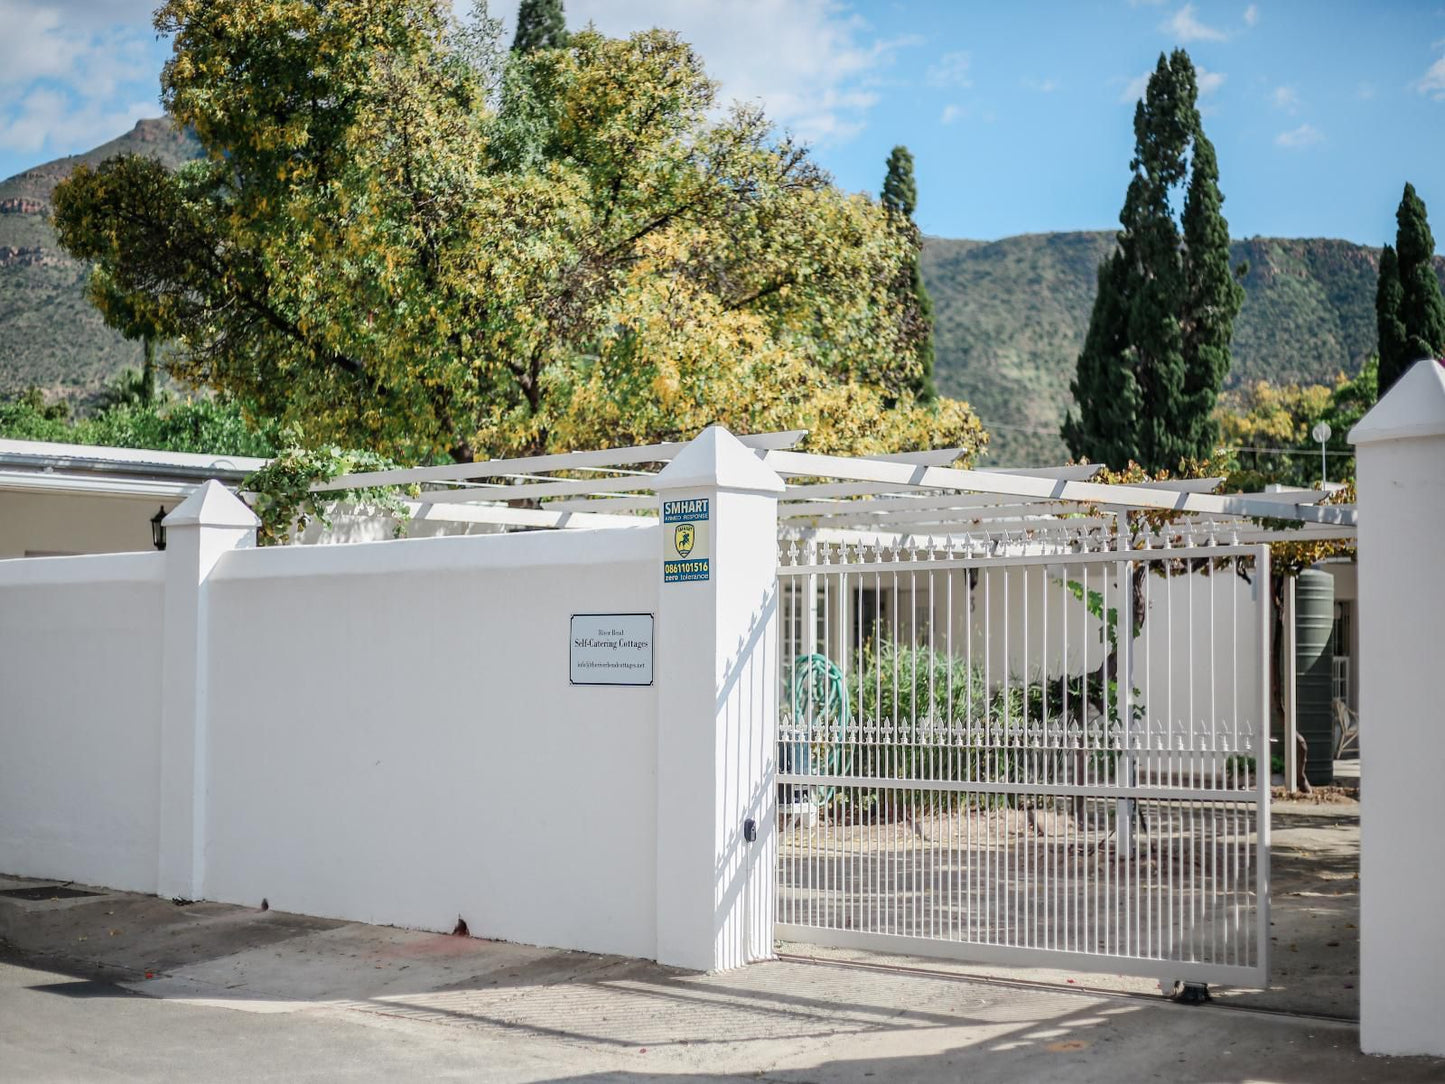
{"x": 1011, "y": 314}
{"x": 1011, "y": 317}
{"x": 50, "y": 336}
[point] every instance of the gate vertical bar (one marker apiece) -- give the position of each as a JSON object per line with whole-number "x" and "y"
{"x": 1262, "y": 574}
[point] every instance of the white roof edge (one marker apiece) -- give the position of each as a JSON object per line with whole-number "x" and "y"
{"x": 49, "y": 453}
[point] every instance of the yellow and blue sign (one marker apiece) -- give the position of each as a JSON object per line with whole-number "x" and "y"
{"x": 689, "y": 552}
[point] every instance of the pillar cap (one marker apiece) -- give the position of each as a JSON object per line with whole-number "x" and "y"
{"x": 718, "y": 460}
{"x": 1414, "y": 407}
{"x": 211, "y": 504}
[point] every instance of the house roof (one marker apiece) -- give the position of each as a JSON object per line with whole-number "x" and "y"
{"x": 44, "y": 466}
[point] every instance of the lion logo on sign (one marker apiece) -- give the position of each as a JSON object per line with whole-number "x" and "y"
{"x": 683, "y": 538}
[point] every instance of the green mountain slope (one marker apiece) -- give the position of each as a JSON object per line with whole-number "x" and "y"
{"x": 50, "y": 336}
{"x": 1011, "y": 317}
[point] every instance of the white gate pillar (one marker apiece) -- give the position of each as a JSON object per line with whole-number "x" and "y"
{"x": 199, "y": 531}
{"x": 717, "y": 649}
{"x": 1400, "y": 456}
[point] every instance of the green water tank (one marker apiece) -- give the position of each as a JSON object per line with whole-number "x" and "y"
{"x": 1314, "y": 662}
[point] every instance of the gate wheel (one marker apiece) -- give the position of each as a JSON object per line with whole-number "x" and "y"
{"x": 1186, "y": 993}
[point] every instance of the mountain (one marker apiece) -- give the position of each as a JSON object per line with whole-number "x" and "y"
{"x": 1011, "y": 317}
{"x": 50, "y": 335}
{"x": 1011, "y": 314}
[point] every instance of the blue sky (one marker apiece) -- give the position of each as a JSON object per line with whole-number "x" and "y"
{"x": 1018, "y": 114}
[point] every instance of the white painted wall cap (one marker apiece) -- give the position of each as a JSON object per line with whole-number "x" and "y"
{"x": 717, "y": 459}
{"x": 1414, "y": 407}
{"x": 211, "y": 504}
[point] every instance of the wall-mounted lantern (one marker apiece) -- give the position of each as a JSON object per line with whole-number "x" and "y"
{"x": 158, "y": 529}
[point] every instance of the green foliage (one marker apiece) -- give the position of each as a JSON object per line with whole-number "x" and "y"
{"x": 406, "y": 239}
{"x": 285, "y": 504}
{"x": 1157, "y": 350}
{"x": 1267, "y": 429}
{"x": 1094, "y": 603}
{"x": 1411, "y": 310}
{"x": 939, "y": 719}
{"x": 1389, "y": 296}
{"x": 900, "y": 191}
{"x": 200, "y": 425}
{"x": 204, "y": 426}
{"x": 23, "y": 419}
{"x": 541, "y": 24}
{"x": 900, "y": 199}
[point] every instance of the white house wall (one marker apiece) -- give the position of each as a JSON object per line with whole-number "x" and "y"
{"x": 42, "y": 524}
{"x": 1197, "y": 664}
{"x": 80, "y": 687}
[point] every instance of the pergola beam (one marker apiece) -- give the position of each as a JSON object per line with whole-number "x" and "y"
{"x": 804, "y": 465}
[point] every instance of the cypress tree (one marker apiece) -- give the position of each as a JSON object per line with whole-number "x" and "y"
{"x": 1157, "y": 349}
{"x": 900, "y": 199}
{"x": 1212, "y": 300}
{"x": 541, "y": 24}
{"x": 1389, "y": 328}
{"x": 1422, "y": 310}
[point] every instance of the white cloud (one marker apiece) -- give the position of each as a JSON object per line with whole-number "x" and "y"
{"x": 1432, "y": 83}
{"x": 950, "y": 114}
{"x": 951, "y": 70}
{"x": 812, "y": 64}
{"x": 1251, "y": 15}
{"x": 1043, "y": 86}
{"x": 1134, "y": 88}
{"x": 1365, "y": 91}
{"x": 1208, "y": 81}
{"x": 1286, "y": 98}
{"x": 48, "y": 120}
{"x": 1306, "y": 135}
{"x": 74, "y": 73}
{"x": 1186, "y": 28}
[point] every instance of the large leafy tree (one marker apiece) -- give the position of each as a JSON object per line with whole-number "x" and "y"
{"x": 900, "y": 200}
{"x": 407, "y": 238}
{"x": 1408, "y": 305}
{"x": 1157, "y": 349}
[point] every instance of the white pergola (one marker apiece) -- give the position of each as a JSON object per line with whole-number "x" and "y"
{"x": 911, "y": 495}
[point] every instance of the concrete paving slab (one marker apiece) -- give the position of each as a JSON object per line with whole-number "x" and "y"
{"x": 347, "y": 1001}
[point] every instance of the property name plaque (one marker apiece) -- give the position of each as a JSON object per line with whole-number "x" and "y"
{"x": 611, "y": 649}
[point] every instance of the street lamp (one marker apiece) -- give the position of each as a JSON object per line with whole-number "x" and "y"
{"x": 1321, "y": 432}
{"x": 158, "y": 529}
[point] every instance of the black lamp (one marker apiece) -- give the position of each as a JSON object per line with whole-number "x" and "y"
{"x": 158, "y": 529}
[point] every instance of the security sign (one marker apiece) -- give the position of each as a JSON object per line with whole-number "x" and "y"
{"x": 683, "y": 537}
{"x": 688, "y": 556}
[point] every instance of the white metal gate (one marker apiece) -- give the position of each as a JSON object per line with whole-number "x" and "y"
{"x": 1029, "y": 753}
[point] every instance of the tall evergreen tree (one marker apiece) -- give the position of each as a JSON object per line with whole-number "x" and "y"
{"x": 900, "y": 199}
{"x": 541, "y": 24}
{"x": 1422, "y": 309}
{"x": 1157, "y": 349}
{"x": 1389, "y": 328}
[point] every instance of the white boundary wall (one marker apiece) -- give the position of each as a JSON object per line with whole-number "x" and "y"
{"x": 393, "y": 738}
{"x": 1400, "y": 449}
{"x": 387, "y": 731}
{"x": 80, "y": 693}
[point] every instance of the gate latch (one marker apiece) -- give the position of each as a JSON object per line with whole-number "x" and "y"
{"x": 750, "y": 830}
